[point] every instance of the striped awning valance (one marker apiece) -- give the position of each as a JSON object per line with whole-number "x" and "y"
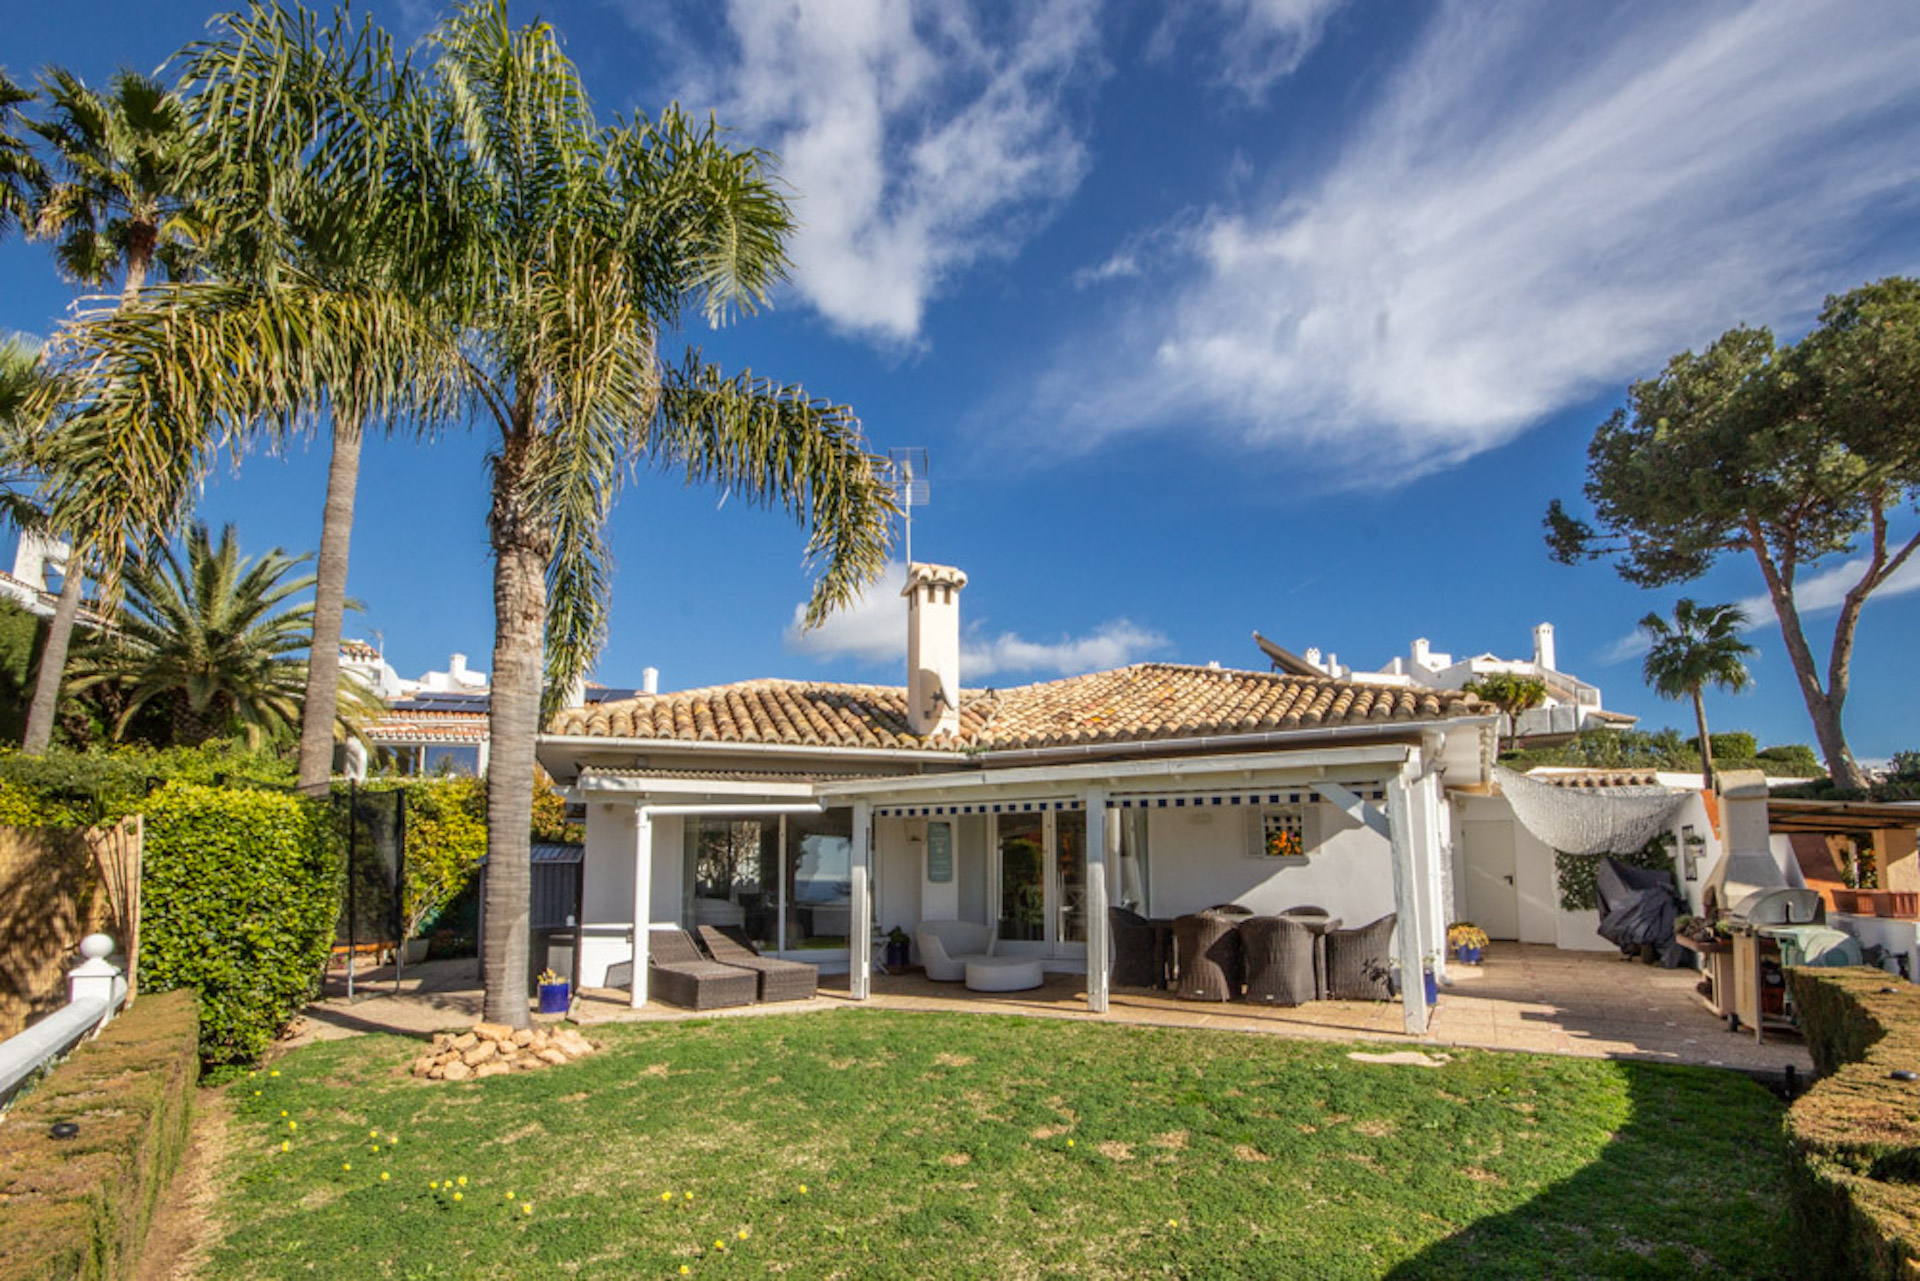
{"x": 977, "y": 807}
{"x": 1297, "y": 795}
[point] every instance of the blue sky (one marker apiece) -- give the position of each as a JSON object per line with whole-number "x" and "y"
{"x": 1287, "y": 315}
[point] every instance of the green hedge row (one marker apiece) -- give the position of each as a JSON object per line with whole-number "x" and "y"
{"x": 1857, "y": 1131}
{"x": 81, "y": 1207}
{"x": 239, "y": 895}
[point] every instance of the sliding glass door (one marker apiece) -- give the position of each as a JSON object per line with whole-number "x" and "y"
{"x": 1040, "y": 883}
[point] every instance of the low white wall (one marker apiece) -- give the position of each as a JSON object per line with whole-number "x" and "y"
{"x": 1902, "y": 937}
{"x": 1197, "y": 858}
{"x": 606, "y": 887}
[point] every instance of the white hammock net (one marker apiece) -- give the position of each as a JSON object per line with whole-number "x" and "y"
{"x": 1617, "y": 820}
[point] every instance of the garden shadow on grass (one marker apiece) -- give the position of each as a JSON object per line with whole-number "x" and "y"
{"x": 1634, "y": 1210}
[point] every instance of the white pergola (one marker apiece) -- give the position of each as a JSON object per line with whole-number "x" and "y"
{"x": 1411, "y": 823}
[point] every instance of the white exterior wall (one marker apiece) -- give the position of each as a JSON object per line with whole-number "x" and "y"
{"x": 606, "y": 886}
{"x": 899, "y": 865}
{"x": 1197, "y": 858}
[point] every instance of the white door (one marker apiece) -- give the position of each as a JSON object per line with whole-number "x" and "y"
{"x": 1493, "y": 901}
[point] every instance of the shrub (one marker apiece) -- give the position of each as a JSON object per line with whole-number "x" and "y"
{"x": 1733, "y": 745}
{"x": 446, "y": 839}
{"x": 1856, "y": 1131}
{"x": 81, "y": 1207}
{"x": 66, "y": 788}
{"x": 240, "y": 894}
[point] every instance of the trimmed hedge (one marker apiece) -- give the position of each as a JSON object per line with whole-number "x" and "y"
{"x": 1857, "y": 1131}
{"x": 240, "y": 892}
{"x": 81, "y": 1207}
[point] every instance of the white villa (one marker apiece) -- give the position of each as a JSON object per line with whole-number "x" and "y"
{"x": 817, "y": 816}
{"x": 1571, "y": 704}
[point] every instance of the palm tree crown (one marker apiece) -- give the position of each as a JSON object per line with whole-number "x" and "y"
{"x": 123, "y": 160}
{"x": 1700, "y": 647}
{"x": 213, "y": 641}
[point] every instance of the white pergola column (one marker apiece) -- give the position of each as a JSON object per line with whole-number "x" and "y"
{"x": 1096, "y": 899}
{"x": 642, "y": 900}
{"x": 1424, "y": 798}
{"x": 1407, "y": 877}
{"x": 860, "y": 928}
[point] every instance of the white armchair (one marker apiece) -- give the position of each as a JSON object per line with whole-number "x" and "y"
{"x": 947, "y": 946}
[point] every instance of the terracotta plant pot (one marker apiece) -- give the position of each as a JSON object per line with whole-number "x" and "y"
{"x": 1854, "y": 902}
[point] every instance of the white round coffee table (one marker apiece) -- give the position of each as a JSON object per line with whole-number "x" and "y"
{"x": 1004, "y": 973}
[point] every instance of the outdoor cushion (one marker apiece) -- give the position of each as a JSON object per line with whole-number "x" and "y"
{"x": 1357, "y": 961}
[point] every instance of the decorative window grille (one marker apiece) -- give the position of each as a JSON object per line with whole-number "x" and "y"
{"x": 1282, "y": 833}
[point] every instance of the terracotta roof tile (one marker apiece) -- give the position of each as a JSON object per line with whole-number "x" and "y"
{"x": 1145, "y": 702}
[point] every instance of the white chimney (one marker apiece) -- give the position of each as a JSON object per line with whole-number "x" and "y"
{"x": 1543, "y": 647}
{"x": 457, "y": 669}
{"x": 933, "y": 648}
{"x": 649, "y": 680}
{"x": 1313, "y": 655}
{"x": 35, "y": 556}
{"x": 1420, "y": 650}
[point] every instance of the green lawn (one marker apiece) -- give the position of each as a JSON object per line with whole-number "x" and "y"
{"x": 865, "y": 1143}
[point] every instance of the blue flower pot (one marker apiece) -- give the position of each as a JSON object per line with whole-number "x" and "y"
{"x": 1468, "y": 955}
{"x": 1433, "y": 988}
{"x": 554, "y": 997}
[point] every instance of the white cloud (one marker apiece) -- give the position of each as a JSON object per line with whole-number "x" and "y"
{"x": 917, "y": 136}
{"x": 1255, "y": 42}
{"x": 1530, "y": 214}
{"x": 874, "y": 632}
{"x": 1819, "y": 594}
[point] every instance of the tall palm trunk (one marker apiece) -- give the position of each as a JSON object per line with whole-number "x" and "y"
{"x": 1706, "y": 741}
{"x": 53, "y": 663}
{"x": 53, "y": 659}
{"x": 329, "y": 605}
{"x": 521, "y": 550}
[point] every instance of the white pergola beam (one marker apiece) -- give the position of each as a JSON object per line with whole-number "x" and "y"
{"x": 1096, "y": 899}
{"x": 1350, "y": 804}
{"x": 860, "y": 929}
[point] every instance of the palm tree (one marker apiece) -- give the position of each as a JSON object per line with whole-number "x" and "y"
{"x": 563, "y": 251}
{"x": 211, "y": 642}
{"x": 119, "y": 206}
{"x": 21, "y": 177}
{"x": 1701, "y": 647}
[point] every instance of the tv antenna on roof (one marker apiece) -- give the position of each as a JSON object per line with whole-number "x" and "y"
{"x": 909, "y": 468}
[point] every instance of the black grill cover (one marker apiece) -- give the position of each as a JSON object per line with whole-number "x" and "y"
{"x": 1637, "y": 907}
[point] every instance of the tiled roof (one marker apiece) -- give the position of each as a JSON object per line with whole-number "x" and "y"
{"x": 1145, "y": 702}
{"x": 429, "y": 727}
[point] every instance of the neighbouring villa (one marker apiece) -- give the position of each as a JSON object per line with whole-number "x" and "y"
{"x": 816, "y": 816}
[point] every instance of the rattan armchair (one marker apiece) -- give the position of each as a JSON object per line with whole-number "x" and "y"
{"x": 779, "y": 980}
{"x": 679, "y": 975}
{"x": 1136, "y": 957}
{"x": 1358, "y": 961}
{"x": 1280, "y": 960}
{"x": 1208, "y": 950}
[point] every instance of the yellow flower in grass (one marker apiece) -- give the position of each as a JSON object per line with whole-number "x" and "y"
{"x": 803, "y": 1189}
{"x": 510, "y": 1196}
{"x": 1173, "y": 1223}
{"x": 346, "y": 1165}
{"x": 383, "y": 1176}
{"x": 684, "y": 1269}
{"x": 293, "y": 1125}
{"x": 285, "y": 1146}
{"x": 433, "y": 1186}
{"x": 373, "y": 1134}
{"x": 742, "y": 1234}
{"x": 462, "y": 1180}
{"x": 666, "y": 1196}
{"x": 688, "y": 1195}
{"x": 283, "y": 1111}
{"x": 458, "y": 1196}
{"x": 275, "y": 1072}
{"x": 526, "y": 1207}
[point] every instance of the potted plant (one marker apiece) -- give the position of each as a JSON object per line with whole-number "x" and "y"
{"x": 555, "y": 993}
{"x": 1467, "y": 940}
{"x": 1432, "y": 983}
{"x": 899, "y": 950}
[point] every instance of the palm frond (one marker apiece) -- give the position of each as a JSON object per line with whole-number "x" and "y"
{"x": 776, "y": 446}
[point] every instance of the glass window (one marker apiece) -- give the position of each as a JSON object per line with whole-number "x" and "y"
{"x": 820, "y": 879}
{"x": 1022, "y": 842}
{"x": 1070, "y": 861}
{"x": 732, "y": 868}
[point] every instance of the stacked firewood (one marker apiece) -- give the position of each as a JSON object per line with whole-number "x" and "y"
{"x": 494, "y": 1049}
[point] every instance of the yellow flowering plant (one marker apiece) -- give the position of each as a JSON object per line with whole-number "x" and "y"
{"x": 1466, "y": 934}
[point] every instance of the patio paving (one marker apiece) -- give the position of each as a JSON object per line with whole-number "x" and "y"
{"x": 1525, "y": 997}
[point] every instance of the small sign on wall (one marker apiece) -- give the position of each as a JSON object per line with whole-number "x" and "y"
{"x": 939, "y": 853}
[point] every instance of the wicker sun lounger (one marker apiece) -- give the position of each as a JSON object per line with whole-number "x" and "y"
{"x": 679, "y": 975}
{"x": 779, "y": 980}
